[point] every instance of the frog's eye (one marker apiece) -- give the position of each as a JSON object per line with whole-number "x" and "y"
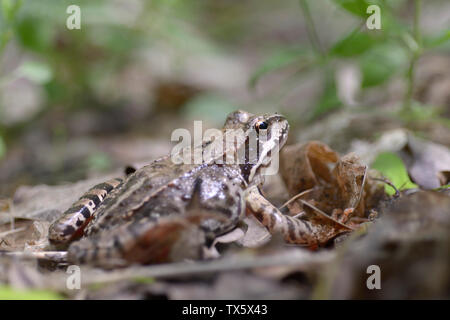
{"x": 261, "y": 125}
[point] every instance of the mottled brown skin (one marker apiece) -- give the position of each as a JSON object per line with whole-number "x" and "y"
{"x": 165, "y": 211}
{"x": 123, "y": 224}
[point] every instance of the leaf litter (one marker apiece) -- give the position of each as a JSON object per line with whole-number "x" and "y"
{"x": 339, "y": 195}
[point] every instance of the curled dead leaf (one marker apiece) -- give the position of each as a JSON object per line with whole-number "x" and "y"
{"x": 303, "y": 166}
{"x": 334, "y": 199}
{"x": 428, "y": 163}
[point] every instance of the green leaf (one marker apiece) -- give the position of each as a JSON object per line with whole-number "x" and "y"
{"x": 444, "y": 187}
{"x": 382, "y": 62}
{"x": 6, "y": 6}
{"x": 437, "y": 40}
{"x": 8, "y": 293}
{"x": 392, "y": 167}
{"x": 56, "y": 91}
{"x": 35, "y": 35}
{"x": 277, "y": 60}
{"x": 38, "y": 72}
{"x": 356, "y": 7}
{"x": 144, "y": 280}
{"x": 10, "y": 8}
{"x": 354, "y": 44}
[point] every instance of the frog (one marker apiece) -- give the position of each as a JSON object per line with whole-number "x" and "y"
{"x": 169, "y": 211}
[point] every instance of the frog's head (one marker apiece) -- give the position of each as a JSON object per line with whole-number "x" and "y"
{"x": 270, "y": 131}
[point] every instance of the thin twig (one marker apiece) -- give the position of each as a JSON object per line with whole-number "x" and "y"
{"x": 362, "y": 188}
{"x": 326, "y": 216}
{"x": 11, "y": 231}
{"x": 301, "y": 259}
{"x": 295, "y": 197}
{"x": 55, "y": 256}
{"x": 386, "y": 181}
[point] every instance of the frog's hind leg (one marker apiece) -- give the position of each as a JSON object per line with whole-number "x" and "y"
{"x": 293, "y": 230}
{"x": 146, "y": 241}
{"x": 71, "y": 224}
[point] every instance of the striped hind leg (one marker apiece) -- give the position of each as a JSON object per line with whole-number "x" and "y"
{"x": 293, "y": 230}
{"x": 145, "y": 241}
{"x": 73, "y": 221}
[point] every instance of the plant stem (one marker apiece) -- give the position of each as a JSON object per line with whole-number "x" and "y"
{"x": 414, "y": 57}
{"x": 311, "y": 29}
{"x": 418, "y": 10}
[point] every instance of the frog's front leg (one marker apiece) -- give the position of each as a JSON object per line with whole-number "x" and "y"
{"x": 73, "y": 221}
{"x": 293, "y": 230}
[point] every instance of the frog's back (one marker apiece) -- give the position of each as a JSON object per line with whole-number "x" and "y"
{"x": 138, "y": 189}
{"x": 207, "y": 198}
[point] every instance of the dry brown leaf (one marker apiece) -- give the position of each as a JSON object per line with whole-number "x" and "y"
{"x": 350, "y": 174}
{"x": 304, "y": 166}
{"x": 25, "y": 234}
{"x": 324, "y": 226}
{"x": 336, "y": 199}
{"x": 428, "y": 163}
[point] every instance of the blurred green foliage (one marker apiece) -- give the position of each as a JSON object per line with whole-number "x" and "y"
{"x": 8, "y": 11}
{"x": 380, "y": 54}
{"x": 2, "y": 147}
{"x": 8, "y": 293}
{"x": 98, "y": 162}
{"x": 392, "y": 167}
{"x": 70, "y": 66}
{"x": 200, "y": 108}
